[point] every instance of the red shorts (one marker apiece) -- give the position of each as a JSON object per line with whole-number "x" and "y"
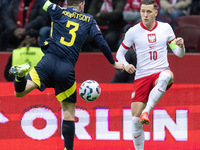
{"x": 143, "y": 86}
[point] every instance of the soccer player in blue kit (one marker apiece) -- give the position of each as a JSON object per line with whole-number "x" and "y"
{"x": 69, "y": 29}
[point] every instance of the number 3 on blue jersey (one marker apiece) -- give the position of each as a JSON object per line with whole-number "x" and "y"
{"x": 72, "y": 32}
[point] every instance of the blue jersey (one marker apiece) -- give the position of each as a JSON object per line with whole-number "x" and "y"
{"x": 69, "y": 30}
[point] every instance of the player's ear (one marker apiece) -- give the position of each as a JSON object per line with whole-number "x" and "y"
{"x": 80, "y": 6}
{"x": 156, "y": 12}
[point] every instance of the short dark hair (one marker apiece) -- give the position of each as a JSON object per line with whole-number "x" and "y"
{"x": 150, "y": 2}
{"x": 74, "y": 2}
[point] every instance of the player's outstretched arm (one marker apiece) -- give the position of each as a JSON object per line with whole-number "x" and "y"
{"x": 177, "y": 46}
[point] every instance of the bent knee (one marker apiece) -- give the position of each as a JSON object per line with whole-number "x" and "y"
{"x": 166, "y": 76}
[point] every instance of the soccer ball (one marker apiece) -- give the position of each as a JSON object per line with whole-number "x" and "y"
{"x": 89, "y": 90}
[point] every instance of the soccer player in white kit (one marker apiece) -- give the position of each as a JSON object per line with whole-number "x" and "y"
{"x": 153, "y": 76}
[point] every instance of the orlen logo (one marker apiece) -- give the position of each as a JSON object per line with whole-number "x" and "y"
{"x": 161, "y": 121}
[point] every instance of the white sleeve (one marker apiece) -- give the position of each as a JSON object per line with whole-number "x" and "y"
{"x": 124, "y": 47}
{"x": 121, "y": 55}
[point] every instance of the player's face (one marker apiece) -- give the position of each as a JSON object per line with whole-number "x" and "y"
{"x": 148, "y": 14}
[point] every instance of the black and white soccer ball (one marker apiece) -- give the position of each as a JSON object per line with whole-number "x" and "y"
{"x": 89, "y": 90}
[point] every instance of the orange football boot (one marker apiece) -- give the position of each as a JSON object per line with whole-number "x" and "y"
{"x": 144, "y": 119}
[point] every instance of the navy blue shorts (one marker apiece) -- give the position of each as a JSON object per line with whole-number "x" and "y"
{"x": 53, "y": 72}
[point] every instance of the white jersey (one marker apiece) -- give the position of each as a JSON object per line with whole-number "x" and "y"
{"x": 150, "y": 47}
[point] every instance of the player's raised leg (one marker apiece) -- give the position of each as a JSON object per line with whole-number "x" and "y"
{"x": 165, "y": 78}
{"x": 22, "y": 85}
{"x": 68, "y": 126}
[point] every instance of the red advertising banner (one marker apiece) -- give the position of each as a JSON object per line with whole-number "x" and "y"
{"x": 34, "y": 121}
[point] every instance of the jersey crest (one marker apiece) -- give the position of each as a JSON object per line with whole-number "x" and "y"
{"x": 152, "y": 38}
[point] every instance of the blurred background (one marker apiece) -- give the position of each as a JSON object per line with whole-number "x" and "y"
{"x": 114, "y": 21}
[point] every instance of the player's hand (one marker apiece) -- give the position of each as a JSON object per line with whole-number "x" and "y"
{"x": 130, "y": 69}
{"x": 180, "y": 42}
{"x": 118, "y": 65}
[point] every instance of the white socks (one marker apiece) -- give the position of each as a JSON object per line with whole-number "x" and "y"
{"x": 158, "y": 91}
{"x": 137, "y": 134}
